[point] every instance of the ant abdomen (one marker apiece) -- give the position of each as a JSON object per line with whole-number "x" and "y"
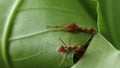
{"x": 80, "y": 49}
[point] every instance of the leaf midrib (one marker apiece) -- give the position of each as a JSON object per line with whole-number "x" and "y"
{"x": 7, "y": 28}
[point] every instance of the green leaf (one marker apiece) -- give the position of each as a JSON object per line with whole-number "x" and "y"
{"x": 5, "y": 7}
{"x": 90, "y": 7}
{"x": 31, "y": 44}
{"x": 108, "y": 22}
{"x": 100, "y": 54}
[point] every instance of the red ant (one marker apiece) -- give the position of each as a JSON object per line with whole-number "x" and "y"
{"x": 72, "y": 27}
{"x": 67, "y": 49}
{"x": 77, "y": 49}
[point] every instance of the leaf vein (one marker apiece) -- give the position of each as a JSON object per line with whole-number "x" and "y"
{"x": 29, "y": 35}
{"x": 29, "y": 57}
{"x": 8, "y": 23}
{"x": 52, "y": 8}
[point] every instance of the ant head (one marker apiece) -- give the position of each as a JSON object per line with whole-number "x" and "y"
{"x": 71, "y": 26}
{"x": 60, "y": 48}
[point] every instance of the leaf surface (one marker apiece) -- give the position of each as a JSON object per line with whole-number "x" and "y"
{"x": 100, "y": 54}
{"x": 31, "y": 44}
{"x": 90, "y": 6}
{"x": 108, "y": 20}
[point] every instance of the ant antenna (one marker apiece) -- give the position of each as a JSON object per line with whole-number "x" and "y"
{"x": 55, "y": 26}
{"x": 62, "y": 41}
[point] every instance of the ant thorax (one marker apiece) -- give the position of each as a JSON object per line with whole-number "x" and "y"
{"x": 66, "y": 49}
{"x": 70, "y": 49}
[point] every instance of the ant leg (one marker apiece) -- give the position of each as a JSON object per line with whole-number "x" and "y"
{"x": 64, "y": 58}
{"x": 77, "y": 55}
{"x": 69, "y": 41}
{"x": 62, "y": 41}
{"x": 60, "y": 56}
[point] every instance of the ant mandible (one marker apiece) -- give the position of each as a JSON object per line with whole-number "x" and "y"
{"x": 73, "y": 28}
